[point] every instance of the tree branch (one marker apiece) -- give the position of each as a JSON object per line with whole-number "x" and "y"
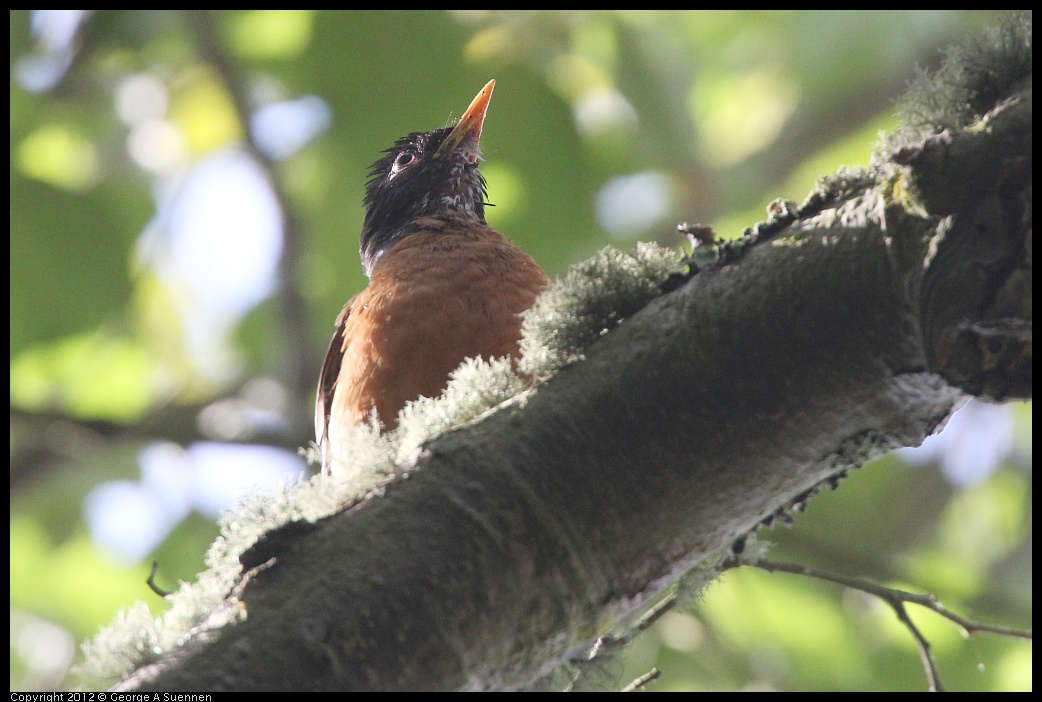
{"x": 823, "y": 338}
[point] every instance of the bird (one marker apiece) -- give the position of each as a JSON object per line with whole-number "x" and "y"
{"x": 443, "y": 286}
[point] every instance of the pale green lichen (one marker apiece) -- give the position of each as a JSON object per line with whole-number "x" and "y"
{"x": 592, "y": 297}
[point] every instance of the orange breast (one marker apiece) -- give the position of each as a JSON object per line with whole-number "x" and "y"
{"x": 433, "y": 300}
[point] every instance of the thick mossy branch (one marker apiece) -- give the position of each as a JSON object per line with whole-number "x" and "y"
{"x": 590, "y": 299}
{"x": 593, "y": 297}
{"x": 664, "y": 427}
{"x": 974, "y": 77}
{"x": 517, "y": 540}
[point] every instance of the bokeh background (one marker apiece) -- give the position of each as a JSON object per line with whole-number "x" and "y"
{"x": 185, "y": 206}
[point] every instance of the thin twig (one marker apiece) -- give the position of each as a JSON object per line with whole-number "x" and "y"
{"x": 643, "y": 680}
{"x": 151, "y": 582}
{"x": 609, "y": 644}
{"x": 896, "y": 599}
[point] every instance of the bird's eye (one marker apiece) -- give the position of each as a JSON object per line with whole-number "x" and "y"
{"x": 403, "y": 161}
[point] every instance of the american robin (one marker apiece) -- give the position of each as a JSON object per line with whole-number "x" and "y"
{"x": 443, "y": 285}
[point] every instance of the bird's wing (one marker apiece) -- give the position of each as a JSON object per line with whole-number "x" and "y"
{"x": 327, "y": 378}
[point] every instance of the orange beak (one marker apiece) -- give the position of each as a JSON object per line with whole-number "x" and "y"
{"x": 465, "y": 135}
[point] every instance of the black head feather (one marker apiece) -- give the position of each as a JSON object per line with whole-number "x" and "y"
{"x": 417, "y": 178}
{"x": 425, "y": 174}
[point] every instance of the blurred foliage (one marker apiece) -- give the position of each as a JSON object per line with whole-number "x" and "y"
{"x": 727, "y": 110}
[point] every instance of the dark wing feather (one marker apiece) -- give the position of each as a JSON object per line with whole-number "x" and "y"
{"x": 327, "y": 378}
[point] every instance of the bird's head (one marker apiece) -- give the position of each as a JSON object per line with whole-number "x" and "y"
{"x": 423, "y": 174}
